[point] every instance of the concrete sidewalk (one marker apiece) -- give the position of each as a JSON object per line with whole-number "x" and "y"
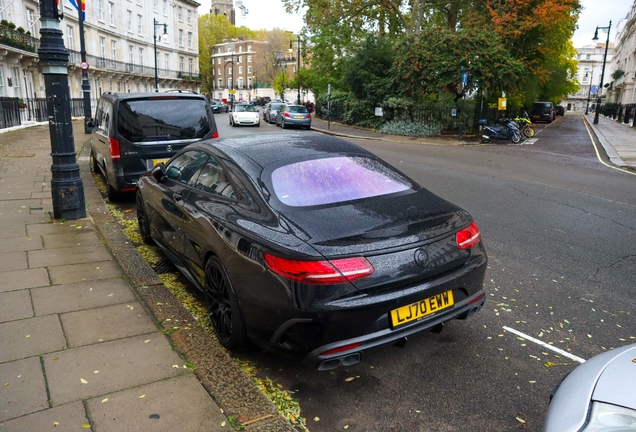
{"x": 90, "y": 338}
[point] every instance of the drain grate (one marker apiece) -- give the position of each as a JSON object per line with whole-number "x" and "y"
{"x": 164, "y": 266}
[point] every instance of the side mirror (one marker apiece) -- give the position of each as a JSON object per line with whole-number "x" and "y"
{"x": 159, "y": 172}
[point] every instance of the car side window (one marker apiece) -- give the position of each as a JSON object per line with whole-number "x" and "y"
{"x": 214, "y": 180}
{"x": 185, "y": 166}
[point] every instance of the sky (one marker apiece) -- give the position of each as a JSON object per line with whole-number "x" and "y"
{"x": 599, "y": 13}
{"x": 270, "y": 13}
{"x": 263, "y": 14}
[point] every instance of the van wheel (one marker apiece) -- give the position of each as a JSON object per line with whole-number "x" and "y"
{"x": 112, "y": 193}
{"x": 94, "y": 164}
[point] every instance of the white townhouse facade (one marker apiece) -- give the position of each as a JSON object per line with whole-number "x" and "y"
{"x": 119, "y": 40}
{"x": 624, "y": 61}
{"x": 590, "y": 61}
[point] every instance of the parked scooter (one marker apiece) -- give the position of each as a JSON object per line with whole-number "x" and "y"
{"x": 505, "y": 131}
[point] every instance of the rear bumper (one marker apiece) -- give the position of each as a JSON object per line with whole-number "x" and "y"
{"x": 316, "y": 359}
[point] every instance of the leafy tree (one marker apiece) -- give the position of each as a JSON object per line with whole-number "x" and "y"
{"x": 433, "y": 63}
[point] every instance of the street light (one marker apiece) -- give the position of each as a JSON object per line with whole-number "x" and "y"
{"x": 297, "y": 41}
{"x": 598, "y": 95}
{"x": 165, "y": 34}
{"x": 589, "y": 93}
{"x": 231, "y": 92}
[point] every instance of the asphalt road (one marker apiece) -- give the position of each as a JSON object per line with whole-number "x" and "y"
{"x": 559, "y": 228}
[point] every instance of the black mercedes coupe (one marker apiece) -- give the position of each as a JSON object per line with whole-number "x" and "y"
{"x": 311, "y": 245}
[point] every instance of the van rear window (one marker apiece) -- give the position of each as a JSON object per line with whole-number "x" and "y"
{"x": 150, "y": 120}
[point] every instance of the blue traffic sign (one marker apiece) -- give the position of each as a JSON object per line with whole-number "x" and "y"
{"x": 593, "y": 89}
{"x": 464, "y": 77}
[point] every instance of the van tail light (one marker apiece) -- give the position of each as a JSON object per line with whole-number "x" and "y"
{"x": 215, "y": 134}
{"x": 286, "y": 114}
{"x": 309, "y": 115}
{"x": 113, "y": 144}
{"x": 320, "y": 272}
{"x": 468, "y": 237}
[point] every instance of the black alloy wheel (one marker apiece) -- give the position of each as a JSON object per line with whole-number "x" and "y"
{"x": 223, "y": 308}
{"x": 112, "y": 193}
{"x": 142, "y": 220}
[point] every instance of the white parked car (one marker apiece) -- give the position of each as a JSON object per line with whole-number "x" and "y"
{"x": 245, "y": 114}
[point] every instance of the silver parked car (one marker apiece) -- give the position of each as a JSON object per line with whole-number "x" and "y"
{"x": 270, "y": 111}
{"x": 599, "y": 395}
{"x": 293, "y": 115}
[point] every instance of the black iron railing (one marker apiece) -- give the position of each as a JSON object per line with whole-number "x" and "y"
{"x": 18, "y": 39}
{"x": 15, "y": 111}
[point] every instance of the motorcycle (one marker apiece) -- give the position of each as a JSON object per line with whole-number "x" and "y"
{"x": 523, "y": 123}
{"x": 506, "y": 131}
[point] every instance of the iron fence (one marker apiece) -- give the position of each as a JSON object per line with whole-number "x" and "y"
{"x": 16, "y": 111}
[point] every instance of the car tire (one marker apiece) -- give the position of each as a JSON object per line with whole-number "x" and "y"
{"x": 223, "y": 307}
{"x": 142, "y": 220}
{"x": 112, "y": 193}
{"x": 307, "y": 127}
{"x": 282, "y": 124}
{"x": 258, "y": 124}
{"x": 94, "y": 164}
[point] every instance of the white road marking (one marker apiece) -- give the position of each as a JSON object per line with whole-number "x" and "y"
{"x": 545, "y": 345}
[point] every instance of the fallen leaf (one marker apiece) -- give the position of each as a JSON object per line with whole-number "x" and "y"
{"x": 110, "y": 295}
{"x": 147, "y": 340}
{"x": 86, "y": 426}
{"x": 28, "y": 336}
{"x": 55, "y": 358}
{"x": 345, "y": 427}
{"x": 223, "y": 423}
{"x": 127, "y": 211}
{"x": 6, "y": 384}
{"x": 279, "y": 385}
{"x": 520, "y": 420}
{"x": 316, "y": 418}
{"x": 83, "y": 381}
{"x": 104, "y": 400}
{"x": 56, "y": 423}
{"x": 142, "y": 396}
{"x": 350, "y": 379}
{"x": 96, "y": 372}
{"x": 418, "y": 411}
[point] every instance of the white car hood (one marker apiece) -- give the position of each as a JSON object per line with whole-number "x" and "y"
{"x": 617, "y": 383}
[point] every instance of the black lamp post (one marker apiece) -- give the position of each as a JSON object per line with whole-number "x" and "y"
{"x": 165, "y": 33}
{"x": 589, "y": 93}
{"x": 598, "y": 96}
{"x": 86, "y": 86}
{"x": 231, "y": 82}
{"x": 297, "y": 41}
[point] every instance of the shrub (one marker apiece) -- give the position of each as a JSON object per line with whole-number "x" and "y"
{"x": 411, "y": 128}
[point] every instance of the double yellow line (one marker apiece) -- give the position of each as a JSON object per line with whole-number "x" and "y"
{"x": 587, "y": 126}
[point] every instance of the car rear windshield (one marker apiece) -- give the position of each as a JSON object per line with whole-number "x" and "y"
{"x": 541, "y": 107}
{"x": 297, "y": 109}
{"x": 163, "y": 119}
{"x": 334, "y": 180}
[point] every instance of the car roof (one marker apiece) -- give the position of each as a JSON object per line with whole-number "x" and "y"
{"x": 125, "y": 96}
{"x": 271, "y": 148}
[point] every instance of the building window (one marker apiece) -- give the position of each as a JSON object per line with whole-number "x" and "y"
{"x": 139, "y": 2}
{"x": 249, "y": 69}
{"x": 180, "y": 37}
{"x": 241, "y": 49}
{"x": 69, "y": 44}
{"x": 30, "y": 19}
{"x": 16, "y": 81}
{"x": 189, "y": 16}
{"x": 219, "y": 60}
{"x": 113, "y": 49}
{"x": 219, "y": 71}
{"x": 190, "y": 66}
{"x": 240, "y": 70}
{"x": 587, "y": 57}
{"x": 249, "y": 59}
{"x": 240, "y": 82}
{"x": 220, "y": 83}
{"x": 111, "y": 13}
{"x": 249, "y": 47}
{"x": 189, "y": 39}
{"x": 141, "y": 59}
{"x": 100, "y": 10}
{"x": 139, "y": 28}
{"x": 165, "y": 7}
{"x": 129, "y": 20}
{"x": 179, "y": 13}
{"x": 181, "y": 61}
{"x": 294, "y": 69}
{"x": 102, "y": 48}
{"x": 131, "y": 55}
{"x": 155, "y": 5}
{"x": 166, "y": 62}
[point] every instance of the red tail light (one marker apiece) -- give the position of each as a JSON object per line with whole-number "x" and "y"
{"x": 309, "y": 115}
{"x": 114, "y": 149}
{"x": 215, "y": 134}
{"x": 320, "y": 272}
{"x": 286, "y": 114}
{"x": 468, "y": 237}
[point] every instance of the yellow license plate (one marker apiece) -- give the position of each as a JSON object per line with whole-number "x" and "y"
{"x": 158, "y": 161}
{"x": 422, "y": 308}
{"x": 299, "y": 116}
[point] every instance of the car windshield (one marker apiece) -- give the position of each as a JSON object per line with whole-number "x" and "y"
{"x": 245, "y": 108}
{"x": 275, "y": 106}
{"x": 333, "y": 180}
{"x": 297, "y": 109}
{"x": 163, "y": 119}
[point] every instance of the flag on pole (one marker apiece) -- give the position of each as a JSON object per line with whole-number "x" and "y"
{"x": 76, "y": 6}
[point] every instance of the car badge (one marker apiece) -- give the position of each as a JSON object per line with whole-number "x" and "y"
{"x": 169, "y": 148}
{"x": 421, "y": 257}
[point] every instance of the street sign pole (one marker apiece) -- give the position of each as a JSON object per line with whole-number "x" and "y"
{"x": 86, "y": 86}
{"x": 329, "y": 106}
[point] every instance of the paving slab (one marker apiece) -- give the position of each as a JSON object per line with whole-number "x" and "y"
{"x": 21, "y": 279}
{"x": 60, "y": 228}
{"x": 29, "y": 337}
{"x": 120, "y": 364}
{"x": 69, "y": 255}
{"x": 20, "y": 244}
{"x": 17, "y": 205}
{"x": 15, "y": 305}
{"x": 13, "y": 261}
{"x": 84, "y": 272}
{"x": 66, "y": 418}
{"x": 170, "y": 405}
{"x": 106, "y": 324}
{"x": 14, "y": 193}
{"x": 80, "y": 295}
{"x": 54, "y": 241}
{"x": 12, "y": 229}
{"x": 25, "y": 392}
